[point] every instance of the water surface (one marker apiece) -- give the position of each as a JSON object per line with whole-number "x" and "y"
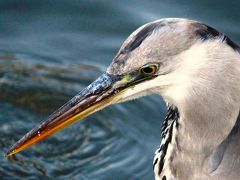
{"x": 49, "y": 51}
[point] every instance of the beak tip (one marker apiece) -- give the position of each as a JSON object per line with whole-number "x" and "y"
{"x": 10, "y": 153}
{"x": 95, "y": 97}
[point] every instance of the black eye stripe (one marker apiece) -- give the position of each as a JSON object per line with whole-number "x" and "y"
{"x": 141, "y": 36}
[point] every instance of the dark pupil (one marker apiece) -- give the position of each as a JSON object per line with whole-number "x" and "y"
{"x": 148, "y": 70}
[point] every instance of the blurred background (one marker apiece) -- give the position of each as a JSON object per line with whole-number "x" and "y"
{"x": 50, "y": 50}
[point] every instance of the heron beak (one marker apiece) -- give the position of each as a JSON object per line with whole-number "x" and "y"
{"x": 104, "y": 91}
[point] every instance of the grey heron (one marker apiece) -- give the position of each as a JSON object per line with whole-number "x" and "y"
{"x": 196, "y": 69}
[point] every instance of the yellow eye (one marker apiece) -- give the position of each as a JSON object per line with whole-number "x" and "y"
{"x": 149, "y": 69}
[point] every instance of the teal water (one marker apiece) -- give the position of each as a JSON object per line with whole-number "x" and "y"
{"x": 50, "y": 50}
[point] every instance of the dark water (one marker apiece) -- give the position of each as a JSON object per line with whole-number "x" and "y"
{"x": 51, "y": 49}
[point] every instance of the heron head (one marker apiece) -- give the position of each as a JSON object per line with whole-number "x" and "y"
{"x": 153, "y": 59}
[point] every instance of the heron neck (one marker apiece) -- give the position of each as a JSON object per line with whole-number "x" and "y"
{"x": 208, "y": 105}
{"x": 197, "y": 133}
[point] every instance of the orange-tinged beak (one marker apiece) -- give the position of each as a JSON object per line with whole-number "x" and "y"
{"x": 101, "y": 93}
